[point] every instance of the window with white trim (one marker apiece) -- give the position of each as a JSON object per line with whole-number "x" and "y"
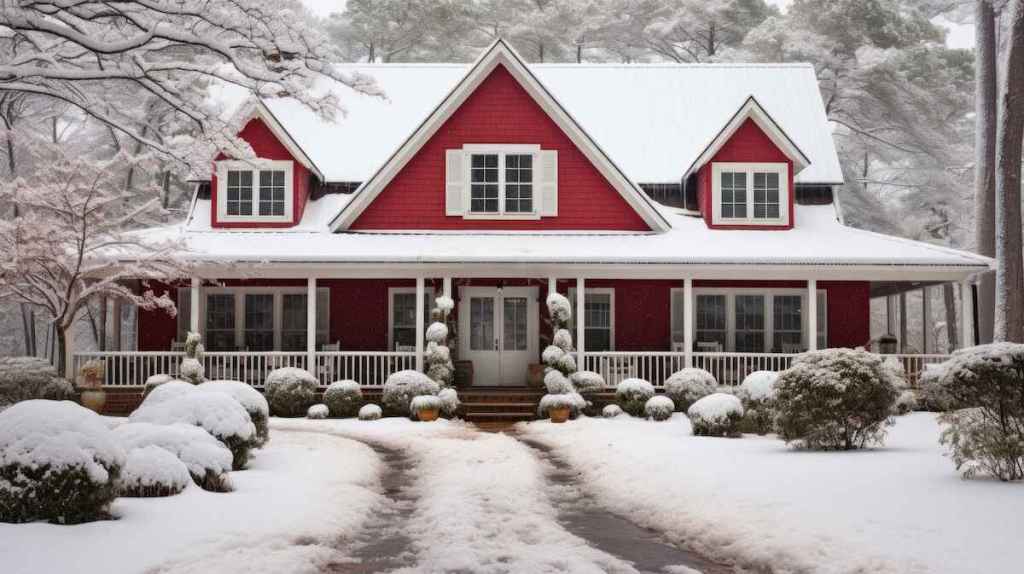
{"x": 598, "y": 317}
{"x": 402, "y": 317}
{"x": 501, "y": 183}
{"x": 254, "y": 192}
{"x": 750, "y": 193}
{"x": 260, "y": 318}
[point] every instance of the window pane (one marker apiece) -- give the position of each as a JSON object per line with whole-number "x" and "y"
{"x": 403, "y": 318}
{"x": 598, "y": 320}
{"x": 483, "y": 189}
{"x": 220, "y": 322}
{"x": 711, "y": 320}
{"x": 734, "y": 195}
{"x": 259, "y": 321}
{"x": 481, "y": 323}
{"x": 271, "y": 193}
{"x": 766, "y": 195}
{"x": 519, "y": 183}
{"x": 239, "y": 193}
{"x": 514, "y": 335}
{"x": 749, "y": 318}
{"x": 293, "y": 322}
{"x": 787, "y": 323}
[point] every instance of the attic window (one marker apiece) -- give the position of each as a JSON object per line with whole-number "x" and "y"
{"x": 501, "y": 181}
{"x": 254, "y": 192}
{"x": 750, "y": 193}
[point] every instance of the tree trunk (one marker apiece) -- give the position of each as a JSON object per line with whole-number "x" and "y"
{"x": 103, "y": 324}
{"x": 1009, "y": 315}
{"x": 61, "y": 358}
{"x": 985, "y": 158}
{"x": 949, "y": 298}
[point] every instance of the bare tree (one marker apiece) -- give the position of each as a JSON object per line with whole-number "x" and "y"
{"x": 985, "y": 157}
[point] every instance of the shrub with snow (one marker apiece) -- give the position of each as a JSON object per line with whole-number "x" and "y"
{"x": 437, "y": 332}
{"x": 718, "y": 414}
{"x": 290, "y": 391}
{"x": 167, "y": 391}
{"x": 587, "y": 382}
{"x": 403, "y": 386}
{"x": 835, "y": 399}
{"x": 659, "y": 408}
{"x": 251, "y": 400}
{"x": 191, "y": 368}
{"x": 444, "y": 304}
{"x": 906, "y": 403}
{"x": 423, "y": 403}
{"x": 151, "y": 471}
{"x": 343, "y": 398}
{"x": 438, "y": 361}
{"x": 933, "y": 395}
{"x": 557, "y": 383}
{"x": 370, "y": 412}
{"x": 154, "y": 381}
{"x": 757, "y": 393}
{"x": 205, "y": 457}
{"x": 611, "y": 411}
{"x": 688, "y": 385}
{"x": 573, "y": 401}
{"x": 559, "y": 308}
{"x": 58, "y": 462}
{"x": 633, "y": 394}
{"x": 318, "y": 411}
{"x": 449, "y": 402}
{"x": 26, "y": 378}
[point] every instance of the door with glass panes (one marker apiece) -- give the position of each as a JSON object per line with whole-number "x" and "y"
{"x": 498, "y": 332}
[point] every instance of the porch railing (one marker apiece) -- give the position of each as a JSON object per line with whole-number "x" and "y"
{"x": 369, "y": 369}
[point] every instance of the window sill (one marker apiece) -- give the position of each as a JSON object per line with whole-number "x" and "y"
{"x": 502, "y": 216}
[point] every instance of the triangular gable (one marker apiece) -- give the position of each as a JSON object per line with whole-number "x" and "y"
{"x": 752, "y": 110}
{"x": 500, "y": 54}
{"x": 254, "y": 108}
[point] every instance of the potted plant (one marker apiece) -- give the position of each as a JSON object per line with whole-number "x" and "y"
{"x": 557, "y": 407}
{"x": 90, "y": 381}
{"x": 426, "y": 408}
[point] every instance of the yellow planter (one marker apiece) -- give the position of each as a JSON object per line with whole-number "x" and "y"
{"x": 94, "y": 400}
{"x": 559, "y": 414}
{"x": 428, "y": 415}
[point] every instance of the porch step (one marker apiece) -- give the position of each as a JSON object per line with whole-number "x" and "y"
{"x": 475, "y": 417}
{"x": 513, "y": 408}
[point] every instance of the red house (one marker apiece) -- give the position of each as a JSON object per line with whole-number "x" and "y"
{"x": 690, "y": 210}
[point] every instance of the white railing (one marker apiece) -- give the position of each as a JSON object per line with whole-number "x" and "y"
{"x": 371, "y": 369}
{"x": 129, "y": 368}
{"x": 913, "y": 365}
{"x": 249, "y": 366}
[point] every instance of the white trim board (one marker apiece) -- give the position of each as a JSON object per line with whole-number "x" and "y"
{"x": 255, "y": 108}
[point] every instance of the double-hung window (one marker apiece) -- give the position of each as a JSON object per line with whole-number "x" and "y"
{"x": 598, "y": 317}
{"x": 402, "y": 334}
{"x": 261, "y": 318}
{"x": 750, "y": 193}
{"x": 254, "y": 192}
{"x": 501, "y": 182}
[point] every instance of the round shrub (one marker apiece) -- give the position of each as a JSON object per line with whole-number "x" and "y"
{"x": 403, "y": 386}
{"x": 659, "y": 408}
{"x": 58, "y": 462}
{"x": 835, "y": 399}
{"x": 906, "y": 403}
{"x": 370, "y": 412}
{"x": 318, "y": 411}
{"x": 26, "y": 378}
{"x": 718, "y": 414}
{"x": 633, "y": 394}
{"x": 449, "y": 402}
{"x": 587, "y": 382}
{"x": 154, "y": 381}
{"x": 290, "y": 391}
{"x": 151, "y": 471}
{"x": 167, "y": 391}
{"x": 423, "y": 403}
{"x": 192, "y": 370}
{"x": 572, "y": 401}
{"x": 205, "y": 457}
{"x": 251, "y": 400}
{"x": 611, "y": 411}
{"x": 688, "y": 385}
{"x": 933, "y": 396}
{"x": 343, "y": 398}
{"x": 557, "y": 383}
{"x": 757, "y": 393}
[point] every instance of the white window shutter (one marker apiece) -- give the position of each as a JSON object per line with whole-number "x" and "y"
{"x": 454, "y": 182}
{"x": 548, "y": 183}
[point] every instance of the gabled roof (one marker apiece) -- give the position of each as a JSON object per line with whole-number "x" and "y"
{"x": 501, "y": 54}
{"x": 255, "y": 108}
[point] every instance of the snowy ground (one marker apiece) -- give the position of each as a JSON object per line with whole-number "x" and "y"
{"x": 900, "y": 508}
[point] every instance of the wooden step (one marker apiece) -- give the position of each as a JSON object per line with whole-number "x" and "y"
{"x": 475, "y": 417}
{"x": 519, "y": 408}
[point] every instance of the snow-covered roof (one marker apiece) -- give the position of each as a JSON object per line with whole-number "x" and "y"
{"x": 653, "y": 120}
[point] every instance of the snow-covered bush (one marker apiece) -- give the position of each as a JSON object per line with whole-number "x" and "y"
{"x": 572, "y": 401}
{"x": 933, "y": 395}
{"x": 633, "y": 394}
{"x": 290, "y": 391}
{"x": 611, "y": 411}
{"x": 897, "y": 374}
{"x": 444, "y": 304}
{"x": 906, "y": 403}
{"x": 437, "y": 357}
{"x": 449, "y": 402}
{"x": 757, "y": 393}
{"x": 26, "y": 378}
{"x": 191, "y": 368}
{"x": 560, "y": 309}
{"x": 688, "y": 385}
{"x": 587, "y": 382}
{"x": 343, "y": 398}
{"x": 557, "y": 383}
{"x": 58, "y": 462}
{"x": 659, "y": 408}
{"x": 370, "y": 412}
{"x": 251, "y": 400}
{"x": 154, "y": 381}
{"x": 205, "y": 457}
{"x": 318, "y": 411}
{"x": 986, "y": 433}
{"x": 717, "y": 414}
{"x": 423, "y": 403}
{"x": 216, "y": 413}
{"x": 403, "y": 386}
{"x": 835, "y": 399}
{"x": 168, "y": 391}
{"x": 151, "y": 471}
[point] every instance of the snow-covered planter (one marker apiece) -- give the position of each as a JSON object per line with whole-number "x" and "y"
{"x": 717, "y": 414}
{"x": 557, "y": 383}
{"x": 154, "y": 381}
{"x": 659, "y": 408}
{"x": 449, "y": 402}
{"x": 557, "y": 407}
{"x": 58, "y": 462}
{"x": 403, "y": 386}
{"x": 633, "y": 394}
{"x": 370, "y": 412}
{"x": 688, "y": 385}
{"x": 216, "y": 413}
{"x": 343, "y": 398}
{"x": 251, "y": 400}
{"x": 167, "y": 391}
{"x": 611, "y": 411}
{"x": 425, "y": 407}
{"x": 152, "y": 471}
{"x": 26, "y": 378}
{"x": 587, "y": 382}
{"x": 757, "y": 393}
{"x": 318, "y": 411}
{"x": 906, "y": 403}
{"x": 835, "y": 399}
{"x": 207, "y": 459}
{"x": 290, "y": 391}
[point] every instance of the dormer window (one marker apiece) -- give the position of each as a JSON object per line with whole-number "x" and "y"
{"x": 750, "y": 193}
{"x": 501, "y": 181}
{"x": 258, "y": 191}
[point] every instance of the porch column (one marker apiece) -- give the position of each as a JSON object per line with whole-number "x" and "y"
{"x": 311, "y": 324}
{"x": 552, "y": 285}
{"x": 420, "y": 318}
{"x": 688, "y": 322}
{"x": 903, "y": 322}
{"x": 581, "y": 327}
{"x": 446, "y": 286}
{"x": 966, "y": 315}
{"x": 193, "y": 319}
{"x": 926, "y": 320}
{"x": 118, "y": 317}
{"x": 812, "y": 314}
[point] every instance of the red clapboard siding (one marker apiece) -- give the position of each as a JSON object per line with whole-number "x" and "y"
{"x": 156, "y": 328}
{"x": 499, "y": 111}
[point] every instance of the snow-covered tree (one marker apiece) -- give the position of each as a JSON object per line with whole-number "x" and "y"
{"x": 985, "y": 156}
{"x": 438, "y": 357}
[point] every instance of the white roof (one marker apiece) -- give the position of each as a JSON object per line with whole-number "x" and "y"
{"x": 653, "y": 120}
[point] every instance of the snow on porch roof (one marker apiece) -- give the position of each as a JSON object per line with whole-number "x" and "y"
{"x": 653, "y": 120}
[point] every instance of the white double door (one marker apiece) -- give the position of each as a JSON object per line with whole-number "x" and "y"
{"x": 498, "y": 332}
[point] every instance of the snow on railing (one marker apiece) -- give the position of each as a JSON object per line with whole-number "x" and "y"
{"x": 370, "y": 369}
{"x": 914, "y": 364}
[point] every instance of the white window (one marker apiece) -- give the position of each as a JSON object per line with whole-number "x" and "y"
{"x": 260, "y": 318}
{"x": 402, "y": 317}
{"x": 598, "y": 317}
{"x": 750, "y": 193}
{"x": 254, "y": 191}
{"x": 501, "y": 181}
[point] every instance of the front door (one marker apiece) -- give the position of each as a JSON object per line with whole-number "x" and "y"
{"x": 498, "y": 333}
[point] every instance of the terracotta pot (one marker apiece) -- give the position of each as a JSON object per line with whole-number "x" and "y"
{"x": 94, "y": 400}
{"x": 428, "y": 415}
{"x": 559, "y": 414}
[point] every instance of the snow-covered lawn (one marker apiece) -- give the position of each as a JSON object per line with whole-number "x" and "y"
{"x": 898, "y": 508}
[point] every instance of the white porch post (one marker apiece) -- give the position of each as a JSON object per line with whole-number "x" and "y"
{"x": 926, "y": 320}
{"x": 903, "y": 322}
{"x": 446, "y": 286}
{"x": 420, "y": 318}
{"x": 552, "y": 285}
{"x": 688, "y": 321}
{"x": 118, "y": 317}
{"x": 193, "y": 319}
{"x": 812, "y": 314}
{"x": 966, "y": 315}
{"x": 311, "y": 324}
{"x": 581, "y": 326}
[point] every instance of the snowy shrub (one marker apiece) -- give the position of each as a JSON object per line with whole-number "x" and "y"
{"x": 167, "y": 391}
{"x": 757, "y": 393}
{"x": 438, "y": 360}
{"x": 933, "y": 395}
{"x": 205, "y": 457}
{"x": 717, "y": 414}
{"x": 58, "y": 462}
{"x": 611, "y": 411}
{"x": 423, "y": 403}
{"x": 437, "y": 332}
{"x": 659, "y": 408}
{"x": 251, "y": 400}
{"x": 633, "y": 394}
{"x": 370, "y": 412}
{"x": 896, "y": 373}
{"x": 986, "y": 433}
{"x": 26, "y": 378}
{"x": 835, "y": 399}
{"x": 551, "y": 354}
{"x": 290, "y": 391}
{"x": 557, "y": 383}
{"x": 403, "y": 386}
{"x": 154, "y": 381}
{"x": 449, "y": 402}
{"x": 572, "y": 401}
{"x": 562, "y": 339}
{"x": 343, "y": 398}
{"x": 444, "y": 304}
{"x": 151, "y": 471}
{"x": 685, "y": 387}
{"x": 559, "y": 308}
{"x": 318, "y": 411}
{"x": 191, "y": 368}
{"x": 587, "y": 382}
{"x": 216, "y": 413}
{"x": 906, "y": 403}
